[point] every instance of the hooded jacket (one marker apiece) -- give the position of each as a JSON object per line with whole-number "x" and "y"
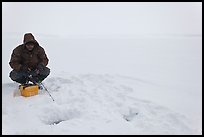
{"x": 22, "y": 57}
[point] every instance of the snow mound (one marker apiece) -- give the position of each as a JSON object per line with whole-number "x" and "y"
{"x": 89, "y": 104}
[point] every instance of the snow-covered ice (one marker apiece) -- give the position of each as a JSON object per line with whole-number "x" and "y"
{"x": 89, "y": 104}
{"x": 124, "y": 87}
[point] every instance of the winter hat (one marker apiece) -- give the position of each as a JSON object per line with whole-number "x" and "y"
{"x": 29, "y": 38}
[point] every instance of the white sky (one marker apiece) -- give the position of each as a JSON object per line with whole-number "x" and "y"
{"x": 102, "y": 18}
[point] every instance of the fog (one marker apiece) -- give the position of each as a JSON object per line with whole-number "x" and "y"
{"x": 102, "y": 18}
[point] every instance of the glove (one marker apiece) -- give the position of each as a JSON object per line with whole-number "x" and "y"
{"x": 25, "y": 68}
{"x": 37, "y": 71}
{"x": 34, "y": 73}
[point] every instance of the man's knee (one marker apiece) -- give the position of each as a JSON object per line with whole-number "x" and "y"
{"x": 45, "y": 72}
{"x": 17, "y": 76}
{"x": 14, "y": 75}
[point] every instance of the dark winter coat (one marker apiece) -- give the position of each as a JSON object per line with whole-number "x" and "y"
{"x": 31, "y": 59}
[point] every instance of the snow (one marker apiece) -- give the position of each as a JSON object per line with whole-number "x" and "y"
{"x": 144, "y": 85}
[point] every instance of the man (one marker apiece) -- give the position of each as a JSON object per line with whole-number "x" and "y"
{"x": 29, "y": 62}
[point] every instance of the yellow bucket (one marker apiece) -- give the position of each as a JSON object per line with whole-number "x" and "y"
{"x": 28, "y": 90}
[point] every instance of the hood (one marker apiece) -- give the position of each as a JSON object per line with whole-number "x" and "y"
{"x": 28, "y": 37}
